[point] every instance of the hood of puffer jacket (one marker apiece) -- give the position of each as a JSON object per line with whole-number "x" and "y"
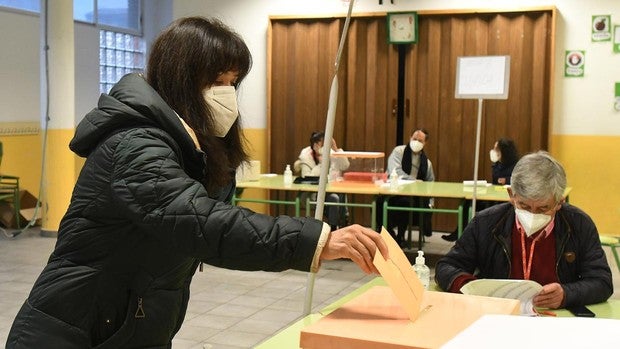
{"x": 132, "y": 102}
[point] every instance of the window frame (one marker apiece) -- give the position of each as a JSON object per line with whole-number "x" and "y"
{"x": 19, "y": 10}
{"x": 95, "y": 22}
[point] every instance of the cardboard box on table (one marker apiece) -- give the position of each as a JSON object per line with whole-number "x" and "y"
{"x": 376, "y": 319}
{"x": 402, "y": 315}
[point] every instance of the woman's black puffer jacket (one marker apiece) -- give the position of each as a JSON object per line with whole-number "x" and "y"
{"x": 138, "y": 224}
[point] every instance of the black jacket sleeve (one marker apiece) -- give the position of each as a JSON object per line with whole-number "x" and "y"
{"x": 158, "y": 195}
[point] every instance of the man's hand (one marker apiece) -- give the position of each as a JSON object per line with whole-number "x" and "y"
{"x": 356, "y": 243}
{"x": 551, "y": 296}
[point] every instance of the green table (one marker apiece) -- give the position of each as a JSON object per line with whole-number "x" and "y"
{"x": 276, "y": 182}
{"x": 451, "y": 190}
{"x": 289, "y": 337}
{"x": 418, "y": 188}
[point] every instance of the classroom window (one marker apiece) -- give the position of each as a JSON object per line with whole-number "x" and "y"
{"x": 25, "y": 5}
{"x": 119, "y": 54}
{"x": 119, "y": 15}
{"x": 121, "y": 46}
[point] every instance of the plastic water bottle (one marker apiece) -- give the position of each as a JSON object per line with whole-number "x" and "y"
{"x": 394, "y": 180}
{"x": 422, "y": 270}
{"x": 288, "y": 176}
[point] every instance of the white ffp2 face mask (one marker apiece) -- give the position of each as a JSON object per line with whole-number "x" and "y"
{"x": 222, "y": 101}
{"x": 532, "y": 222}
{"x": 416, "y": 146}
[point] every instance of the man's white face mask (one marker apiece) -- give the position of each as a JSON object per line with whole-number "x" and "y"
{"x": 416, "y": 146}
{"x": 532, "y": 222}
{"x": 222, "y": 101}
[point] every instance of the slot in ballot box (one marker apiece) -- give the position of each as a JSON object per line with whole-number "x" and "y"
{"x": 375, "y": 319}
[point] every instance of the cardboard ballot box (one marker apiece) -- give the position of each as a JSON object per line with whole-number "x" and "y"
{"x": 375, "y": 319}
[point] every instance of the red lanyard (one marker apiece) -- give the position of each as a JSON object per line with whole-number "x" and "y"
{"x": 527, "y": 264}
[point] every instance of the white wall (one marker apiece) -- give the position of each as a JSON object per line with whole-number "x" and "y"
{"x": 582, "y": 105}
{"x": 19, "y": 67}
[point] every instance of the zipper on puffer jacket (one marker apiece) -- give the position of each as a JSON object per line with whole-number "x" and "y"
{"x": 499, "y": 224}
{"x": 140, "y": 311}
{"x": 501, "y": 243}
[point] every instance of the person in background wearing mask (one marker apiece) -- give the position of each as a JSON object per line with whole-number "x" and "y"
{"x": 536, "y": 236}
{"x": 410, "y": 162}
{"x": 504, "y": 157}
{"x": 153, "y": 201}
{"x": 309, "y": 165}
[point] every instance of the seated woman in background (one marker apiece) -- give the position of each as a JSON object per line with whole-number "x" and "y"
{"x": 309, "y": 164}
{"x": 504, "y": 157}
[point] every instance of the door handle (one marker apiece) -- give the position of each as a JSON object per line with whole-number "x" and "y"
{"x": 394, "y": 107}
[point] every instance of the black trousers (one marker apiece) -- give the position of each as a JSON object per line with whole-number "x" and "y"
{"x": 401, "y": 219}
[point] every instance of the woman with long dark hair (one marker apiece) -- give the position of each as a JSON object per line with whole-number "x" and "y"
{"x": 152, "y": 202}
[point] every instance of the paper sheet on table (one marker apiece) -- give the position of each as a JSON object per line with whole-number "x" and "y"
{"x": 517, "y": 332}
{"x": 399, "y": 275}
{"x": 400, "y": 182}
{"x": 523, "y": 290}
{"x": 482, "y": 183}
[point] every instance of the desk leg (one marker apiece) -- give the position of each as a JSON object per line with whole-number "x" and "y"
{"x": 420, "y": 232}
{"x": 460, "y": 218}
{"x": 385, "y": 210}
{"x": 373, "y": 212}
{"x": 297, "y": 204}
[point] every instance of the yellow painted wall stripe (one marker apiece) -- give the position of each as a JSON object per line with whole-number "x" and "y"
{"x": 592, "y": 165}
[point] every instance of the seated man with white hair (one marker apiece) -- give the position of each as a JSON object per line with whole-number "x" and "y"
{"x": 536, "y": 236}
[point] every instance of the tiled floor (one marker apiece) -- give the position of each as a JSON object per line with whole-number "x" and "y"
{"x": 228, "y": 309}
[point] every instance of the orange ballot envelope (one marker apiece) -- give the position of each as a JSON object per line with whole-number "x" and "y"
{"x": 399, "y": 275}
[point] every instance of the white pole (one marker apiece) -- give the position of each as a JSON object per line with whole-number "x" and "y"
{"x": 327, "y": 145}
{"x": 476, "y": 157}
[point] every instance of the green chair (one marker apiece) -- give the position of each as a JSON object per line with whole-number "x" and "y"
{"x": 614, "y": 243}
{"x": 9, "y": 191}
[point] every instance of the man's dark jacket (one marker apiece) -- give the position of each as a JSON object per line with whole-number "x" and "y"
{"x": 138, "y": 224}
{"x": 485, "y": 250}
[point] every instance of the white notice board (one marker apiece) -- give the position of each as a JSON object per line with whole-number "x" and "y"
{"x": 482, "y": 77}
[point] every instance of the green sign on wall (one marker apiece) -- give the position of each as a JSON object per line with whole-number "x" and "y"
{"x": 601, "y": 28}
{"x": 574, "y": 63}
{"x": 617, "y": 94}
{"x": 617, "y": 39}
